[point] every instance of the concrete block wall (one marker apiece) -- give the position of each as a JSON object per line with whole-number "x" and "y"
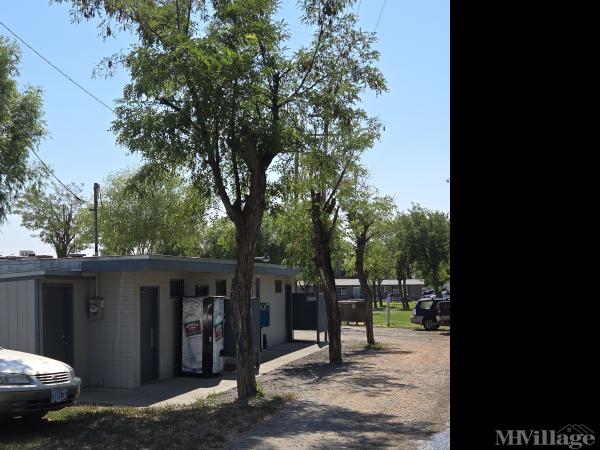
{"x": 275, "y": 332}
{"x": 113, "y": 345}
{"x": 114, "y": 342}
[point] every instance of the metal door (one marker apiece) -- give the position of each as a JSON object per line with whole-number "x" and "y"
{"x": 289, "y": 333}
{"x": 148, "y": 334}
{"x": 58, "y": 322}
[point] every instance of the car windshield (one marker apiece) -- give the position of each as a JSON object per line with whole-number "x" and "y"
{"x": 426, "y": 304}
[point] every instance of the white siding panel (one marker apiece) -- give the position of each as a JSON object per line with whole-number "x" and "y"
{"x": 17, "y": 315}
{"x": 4, "y": 314}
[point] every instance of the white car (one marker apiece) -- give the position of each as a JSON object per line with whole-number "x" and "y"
{"x": 31, "y": 385}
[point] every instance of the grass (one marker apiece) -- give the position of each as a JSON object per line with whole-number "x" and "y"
{"x": 398, "y": 317}
{"x": 375, "y": 346}
{"x": 207, "y": 423}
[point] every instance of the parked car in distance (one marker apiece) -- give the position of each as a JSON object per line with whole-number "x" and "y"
{"x": 443, "y": 312}
{"x": 425, "y": 313}
{"x": 32, "y": 385}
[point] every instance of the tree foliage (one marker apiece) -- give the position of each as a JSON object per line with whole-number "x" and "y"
{"x": 148, "y": 215}
{"x": 431, "y": 235}
{"x": 54, "y": 213}
{"x": 217, "y": 240}
{"x": 21, "y": 128}
{"x": 421, "y": 244}
{"x": 366, "y": 217}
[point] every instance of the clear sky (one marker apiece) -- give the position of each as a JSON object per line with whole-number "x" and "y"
{"x": 411, "y": 162}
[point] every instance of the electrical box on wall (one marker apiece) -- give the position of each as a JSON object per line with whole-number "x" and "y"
{"x": 96, "y": 308}
{"x": 265, "y": 314}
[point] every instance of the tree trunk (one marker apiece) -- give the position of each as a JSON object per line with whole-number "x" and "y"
{"x": 404, "y": 294}
{"x": 379, "y": 293}
{"x": 321, "y": 239}
{"x": 435, "y": 279}
{"x": 375, "y": 293}
{"x": 241, "y": 290}
{"x": 247, "y": 229}
{"x": 361, "y": 244}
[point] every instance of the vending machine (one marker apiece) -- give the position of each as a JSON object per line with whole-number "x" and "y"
{"x": 202, "y": 335}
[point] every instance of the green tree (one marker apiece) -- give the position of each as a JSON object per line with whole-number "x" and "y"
{"x": 379, "y": 263}
{"x": 21, "y": 128}
{"x": 139, "y": 214}
{"x": 294, "y": 227}
{"x": 215, "y": 90}
{"x": 328, "y": 166}
{"x": 431, "y": 234}
{"x": 404, "y": 242}
{"x": 217, "y": 239}
{"x": 366, "y": 214}
{"x": 52, "y": 212}
{"x": 333, "y": 134}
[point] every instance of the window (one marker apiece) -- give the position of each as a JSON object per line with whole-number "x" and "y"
{"x": 176, "y": 288}
{"x": 277, "y": 286}
{"x": 221, "y": 287}
{"x": 426, "y": 304}
{"x": 394, "y": 289}
{"x": 201, "y": 290}
{"x": 356, "y": 292}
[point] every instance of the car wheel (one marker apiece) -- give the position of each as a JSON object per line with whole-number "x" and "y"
{"x": 429, "y": 324}
{"x": 34, "y": 416}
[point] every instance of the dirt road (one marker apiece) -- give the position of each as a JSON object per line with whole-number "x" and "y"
{"x": 397, "y": 397}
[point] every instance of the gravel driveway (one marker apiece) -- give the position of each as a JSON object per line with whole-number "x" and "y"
{"x": 396, "y": 397}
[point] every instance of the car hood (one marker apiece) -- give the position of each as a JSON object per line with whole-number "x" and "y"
{"x": 18, "y": 362}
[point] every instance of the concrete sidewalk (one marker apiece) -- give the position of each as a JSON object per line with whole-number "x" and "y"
{"x": 186, "y": 390}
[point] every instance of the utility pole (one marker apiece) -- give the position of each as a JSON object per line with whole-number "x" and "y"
{"x": 96, "y": 192}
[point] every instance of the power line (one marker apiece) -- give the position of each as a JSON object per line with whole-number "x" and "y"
{"x": 51, "y": 172}
{"x": 60, "y": 71}
{"x": 380, "y": 13}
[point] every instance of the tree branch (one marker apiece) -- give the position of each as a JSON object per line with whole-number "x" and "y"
{"x": 337, "y": 184}
{"x": 334, "y": 220}
{"x": 167, "y": 102}
{"x": 310, "y": 66}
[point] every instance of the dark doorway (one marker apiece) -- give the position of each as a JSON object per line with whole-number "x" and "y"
{"x": 207, "y": 337}
{"x": 58, "y": 322}
{"x": 148, "y": 334}
{"x": 289, "y": 334}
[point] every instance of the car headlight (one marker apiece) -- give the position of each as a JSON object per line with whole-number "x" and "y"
{"x": 12, "y": 379}
{"x": 71, "y": 371}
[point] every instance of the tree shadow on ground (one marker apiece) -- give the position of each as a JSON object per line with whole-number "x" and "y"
{"x": 335, "y": 426}
{"x": 196, "y": 426}
{"x": 356, "y": 376}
